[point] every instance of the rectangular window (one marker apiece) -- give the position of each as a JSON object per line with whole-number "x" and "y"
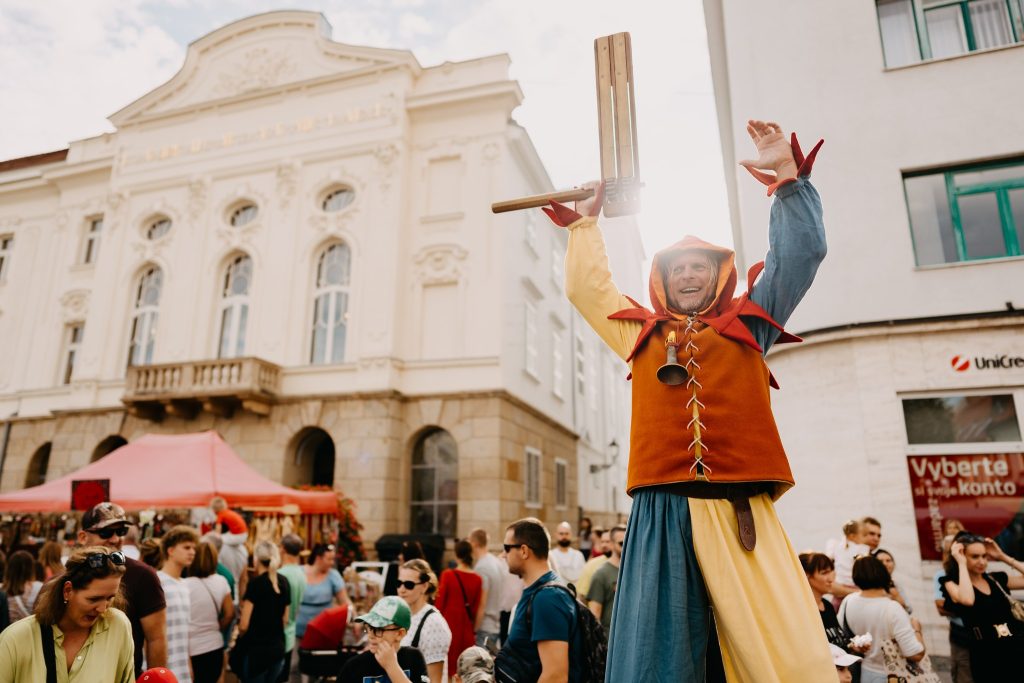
{"x": 532, "y": 487}
{"x": 561, "y": 484}
{"x": 556, "y": 363}
{"x": 580, "y": 356}
{"x": 961, "y": 419}
{"x": 91, "y": 248}
{"x": 530, "y": 235}
{"x": 72, "y": 345}
{"x": 530, "y": 335}
{"x": 913, "y": 30}
{"x": 6, "y": 247}
{"x": 558, "y": 261}
{"x": 967, "y": 213}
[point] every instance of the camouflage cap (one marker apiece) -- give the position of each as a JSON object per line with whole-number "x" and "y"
{"x": 102, "y": 515}
{"x": 476, "y": 665}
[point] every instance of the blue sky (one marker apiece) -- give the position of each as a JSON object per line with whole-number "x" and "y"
{"x": 65, "y": 65}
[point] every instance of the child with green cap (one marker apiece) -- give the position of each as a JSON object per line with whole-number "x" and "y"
{"x": 385, "y": 660}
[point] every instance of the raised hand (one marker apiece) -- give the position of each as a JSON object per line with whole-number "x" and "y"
{"x": 592, "y": 205}
{"x": 993, "y": 550}
{"x": 773, "y": 149}
{"x": 957, "y": 552}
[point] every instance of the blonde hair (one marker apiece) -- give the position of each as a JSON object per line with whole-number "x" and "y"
{"x": 50, "y": 605}
{"x": 266, "y": 553}
{"x": 427, "y": 575}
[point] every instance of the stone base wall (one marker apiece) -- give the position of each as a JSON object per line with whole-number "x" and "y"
{"x": 373, "y": 439}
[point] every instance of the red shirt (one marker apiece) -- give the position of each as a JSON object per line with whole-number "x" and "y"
{"x": 233, "y": 521}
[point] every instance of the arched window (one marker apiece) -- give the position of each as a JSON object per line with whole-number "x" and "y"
{"x": 435, "y": 485}
{"x": 107, "y": 446}
{"x": 144, "y": 317}
{"x": 158, "y": 228}
{"x": 38, "y": 466}
{"x": 244, "y": 214}
{"x": 330, "y": 308}
{"x": 234, "y": 307}
{"x": 338, "y": 199}
{"x": 312, "y": 459}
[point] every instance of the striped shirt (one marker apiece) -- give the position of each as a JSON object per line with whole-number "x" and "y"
{"x": 179, "y": 610}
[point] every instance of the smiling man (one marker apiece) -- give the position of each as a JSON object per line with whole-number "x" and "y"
{"x": 706, "y": 462}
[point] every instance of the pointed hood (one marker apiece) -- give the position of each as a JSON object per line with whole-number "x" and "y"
{"x": 726, "y": 285}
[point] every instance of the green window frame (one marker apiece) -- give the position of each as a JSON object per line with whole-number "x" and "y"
{"x": 921, "y": 9}
{"x": 956, "y": 190}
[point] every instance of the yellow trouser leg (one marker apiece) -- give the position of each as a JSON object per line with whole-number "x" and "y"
{"x": 768, "y": 627}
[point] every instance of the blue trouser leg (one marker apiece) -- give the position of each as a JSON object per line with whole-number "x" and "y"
{"x": 660, "y": 619}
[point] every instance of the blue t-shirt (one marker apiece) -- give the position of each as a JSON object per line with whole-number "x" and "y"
{"x": 553, "y": 617}
{"x": 317, "y": 598}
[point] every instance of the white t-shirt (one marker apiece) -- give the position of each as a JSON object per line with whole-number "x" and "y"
{"x": 884, "y": 619}
{"x": 846, "y": 553}
{"x": 491, "y": 571}
{"x": 179, "y": 609}
{"x": 207, "y": 596}
{"x": 435, "y": 638}
{"x": 568, "y": 563}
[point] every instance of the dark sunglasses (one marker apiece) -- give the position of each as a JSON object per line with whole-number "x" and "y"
{"x": 509, "y": 547}
{"x": 379, "y": 632}
{"x": 97, "y": 560}
{"x": 409, "y": 585}
{"x": 108, "y": 532}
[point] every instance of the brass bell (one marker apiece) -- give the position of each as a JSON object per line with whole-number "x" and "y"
{"x": 672, "y": 373}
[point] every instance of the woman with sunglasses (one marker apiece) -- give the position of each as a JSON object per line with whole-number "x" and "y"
{"x": 428, "y": 631}
{"x": 76, "y": 630}
{"x": 324, "y": 587}
{"x": 982, "y": 600}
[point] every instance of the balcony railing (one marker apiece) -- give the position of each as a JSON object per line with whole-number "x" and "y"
{"x": 218, "y": 386}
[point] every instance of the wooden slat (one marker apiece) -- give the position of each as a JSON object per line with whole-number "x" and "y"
{"x": 621, "y": 87}
{"x": 605, "y": 113}
{"x": 632, "y": 108}
{"x": 541, "y": 200}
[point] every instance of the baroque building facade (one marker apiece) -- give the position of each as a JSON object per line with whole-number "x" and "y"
{"x": 290, "y": 242}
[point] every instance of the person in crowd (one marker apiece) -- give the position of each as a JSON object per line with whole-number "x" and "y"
{"x": 212, "y": 609}
{"x": 872, "y": 611}
{"x": 234, "y": 533}
{"x": 411, "y": 550}
{"x": 549, "y": 638}
{"x": 151, "y": 554}
{"x": 488, "y": 633}
{"x": 106, "y": 524}
{"x": 386, "y": 659}
{"x": 566, "y": 560}
{"x": 324, "y": 587}
{"x": 179, "y": 551}
{"x": 870, "y": 532}
{"x": 462, "y": 600}
{"x": 821, "y": 573}
{"x": 886, "y": 558}
{"x": 20, "y": 585}
{"x": 264, "y": 615}
{"x": 587, "y": 538}
{"x": 291, "y": 569}
{"x": 511, "y": 590}
{"x": 76, "y": 616}
{"x": 843, "y": 661}
{"x": 428, "y": 631}
{"x": 845, "y": 553}
{"x": 603, "y": 550}
{"x": 51, "y": 558}
{"x": 214, "y": 539}
{"x": 475, "y": 665}
{"x": 959, "y": 638}
{"x": 601, "y": 596}
{"x": 982, "y": 600}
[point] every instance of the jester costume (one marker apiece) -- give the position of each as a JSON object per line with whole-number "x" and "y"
{"x": 706, "y": 461}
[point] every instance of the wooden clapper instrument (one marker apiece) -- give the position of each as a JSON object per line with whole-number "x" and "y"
{"x": 616, "y": 113}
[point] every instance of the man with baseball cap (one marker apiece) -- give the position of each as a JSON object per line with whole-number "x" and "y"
{"x": 385, "y": 660}
{"x": 106, "y": 524}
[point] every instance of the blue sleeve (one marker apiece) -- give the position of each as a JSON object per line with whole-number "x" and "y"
{"x": 553, "y": 615}
{"x": 796, "y": 247}
{"x": 337, "y": 583}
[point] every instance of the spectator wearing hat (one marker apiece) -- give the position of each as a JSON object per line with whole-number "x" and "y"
{"x": 843, "y": 662}
{"x": 475, "y": 665}
{"x": 234, "y": 533}
{"x": 291, "y": 546}
{"x": 105, "y": 524}
{"x": 385, "y": 658}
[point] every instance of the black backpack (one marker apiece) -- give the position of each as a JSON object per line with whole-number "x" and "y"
{"x": 510, "y": 667}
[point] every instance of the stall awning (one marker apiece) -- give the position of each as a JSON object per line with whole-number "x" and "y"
{"x": 173, "y": 471}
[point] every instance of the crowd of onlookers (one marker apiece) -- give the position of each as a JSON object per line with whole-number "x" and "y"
{"x": 867, "y": 616}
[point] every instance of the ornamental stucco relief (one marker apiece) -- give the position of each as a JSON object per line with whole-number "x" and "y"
{"x": 440, "y": 264}
{"x": 258, "y": 68}
{"x": 74, "y": 304}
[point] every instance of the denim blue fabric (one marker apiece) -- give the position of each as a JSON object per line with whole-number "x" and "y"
{"x": 661, "y": 616}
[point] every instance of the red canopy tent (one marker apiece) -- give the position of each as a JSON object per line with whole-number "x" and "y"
{"x": 173, "y": 471}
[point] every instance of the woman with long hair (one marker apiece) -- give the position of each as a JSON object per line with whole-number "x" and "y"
{"x": 51, "y": 558}
{"x": 77, "y": 622}
{"x": 872, "y": 611}
{"x": 461, "y": 597}
{"x": 428, "y": 631}
{"x": 264, "y": 615}
{"x": 886, "y": 558}
{"x": 211, "y": 610}
{"x": 982, "y": 600}
{"x": 21, "y": 585}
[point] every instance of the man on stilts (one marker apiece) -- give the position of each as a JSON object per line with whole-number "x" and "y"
{"x": 706, "y": 461}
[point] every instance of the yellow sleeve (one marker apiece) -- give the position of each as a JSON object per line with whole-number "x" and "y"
{"x": 589, "y": 286}
{"x": 126, "y": 652}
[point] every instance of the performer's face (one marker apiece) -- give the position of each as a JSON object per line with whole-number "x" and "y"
{"x": 690, "y": 281}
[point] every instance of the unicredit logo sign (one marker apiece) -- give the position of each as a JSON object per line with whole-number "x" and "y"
{"x": 1004, "y": 362}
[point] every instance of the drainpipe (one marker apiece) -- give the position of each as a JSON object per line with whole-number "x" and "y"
{"x": 6, "y": 439}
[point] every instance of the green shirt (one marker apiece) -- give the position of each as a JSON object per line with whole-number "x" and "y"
{"x": 602, "y": 590}
{"x": 296, "y": 576}
{"x": 107, "y": 655}
{"x": 223, "y": 571}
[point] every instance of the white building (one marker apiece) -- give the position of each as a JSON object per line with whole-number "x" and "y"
{"x": 922, "y": 179}
{"x": 290, "y": 242}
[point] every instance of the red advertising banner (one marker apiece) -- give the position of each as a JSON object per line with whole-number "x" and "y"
{"x": 984, "y": 492}
{"x": 86, "y": 493}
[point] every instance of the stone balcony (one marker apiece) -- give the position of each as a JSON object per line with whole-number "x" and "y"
{"x": 216, "y": 386}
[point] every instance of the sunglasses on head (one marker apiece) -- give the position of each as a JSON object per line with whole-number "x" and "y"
{"x": 109, "y": 532}
{"x": 409, "y": 585}
{"x": 97, "y": 560}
